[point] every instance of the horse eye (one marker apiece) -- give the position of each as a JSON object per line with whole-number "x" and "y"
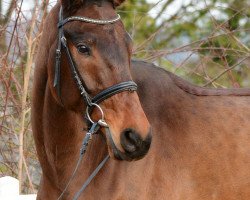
{"x": 83, "y": 49}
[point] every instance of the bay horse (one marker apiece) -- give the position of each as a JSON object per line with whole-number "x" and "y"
{"x": 200, "y": 147}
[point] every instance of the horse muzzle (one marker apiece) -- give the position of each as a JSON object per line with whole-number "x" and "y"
{"x": 134, "y": 146}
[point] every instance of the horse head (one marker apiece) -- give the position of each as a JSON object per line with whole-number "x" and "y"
{"x": 101, "y": 54}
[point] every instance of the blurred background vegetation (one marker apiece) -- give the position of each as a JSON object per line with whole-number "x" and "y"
{"x": 206, "y": 42}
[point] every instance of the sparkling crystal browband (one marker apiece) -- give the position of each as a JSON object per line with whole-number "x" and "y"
{"x": 89, "y": 20}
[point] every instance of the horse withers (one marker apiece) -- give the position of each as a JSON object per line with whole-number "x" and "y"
{"x": 84, "y": 79}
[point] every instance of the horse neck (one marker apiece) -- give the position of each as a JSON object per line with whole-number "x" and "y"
{"x": 63, "y": 135}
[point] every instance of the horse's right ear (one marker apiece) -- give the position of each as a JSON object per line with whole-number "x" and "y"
{"x": 69, "y": 6}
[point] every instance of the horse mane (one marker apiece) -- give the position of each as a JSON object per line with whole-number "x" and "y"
{"x": 202, "y": 91}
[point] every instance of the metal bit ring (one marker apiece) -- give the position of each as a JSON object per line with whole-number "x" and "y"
{"x": 99, "y": 108}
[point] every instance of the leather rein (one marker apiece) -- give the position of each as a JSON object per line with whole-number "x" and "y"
{"x": 88, "y": 100}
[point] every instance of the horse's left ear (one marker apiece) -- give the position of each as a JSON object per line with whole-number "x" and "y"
{"x": 117, "y": 2}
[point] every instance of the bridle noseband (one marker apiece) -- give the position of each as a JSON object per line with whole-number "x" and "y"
{"x": 90, "y": 102}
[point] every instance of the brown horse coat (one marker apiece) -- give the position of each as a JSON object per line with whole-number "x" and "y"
{"x": 200, "y": 147}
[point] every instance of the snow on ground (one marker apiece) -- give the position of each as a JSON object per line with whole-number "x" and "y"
{"x": 9, "y": 190}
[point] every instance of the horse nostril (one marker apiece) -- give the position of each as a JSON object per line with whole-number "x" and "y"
{"x": 131, "y": 137}
{"x": 134, "y": 146}
{"x": 129, "y": 140}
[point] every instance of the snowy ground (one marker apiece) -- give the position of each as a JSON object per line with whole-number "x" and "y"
{"x": 9, "y": 190}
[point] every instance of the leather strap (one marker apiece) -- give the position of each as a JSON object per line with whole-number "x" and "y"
{"x": 75, "y": 74}
{"x": 115, "y": 89}
{"x": 58, "y": 60}
{"x": 90, "y": 178}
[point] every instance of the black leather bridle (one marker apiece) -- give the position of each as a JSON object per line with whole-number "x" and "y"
{"x": 62, "y": 41}
{"x": 89, "y": 101}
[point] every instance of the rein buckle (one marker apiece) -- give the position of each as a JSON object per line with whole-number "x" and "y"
{"x": 58, "y": 54}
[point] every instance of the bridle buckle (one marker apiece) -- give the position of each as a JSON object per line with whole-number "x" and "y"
{"x": 58, "y": 54}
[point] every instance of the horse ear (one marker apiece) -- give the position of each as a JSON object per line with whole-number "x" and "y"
{"x": 69, "y": 6}
{"x": 117, "y": 2}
